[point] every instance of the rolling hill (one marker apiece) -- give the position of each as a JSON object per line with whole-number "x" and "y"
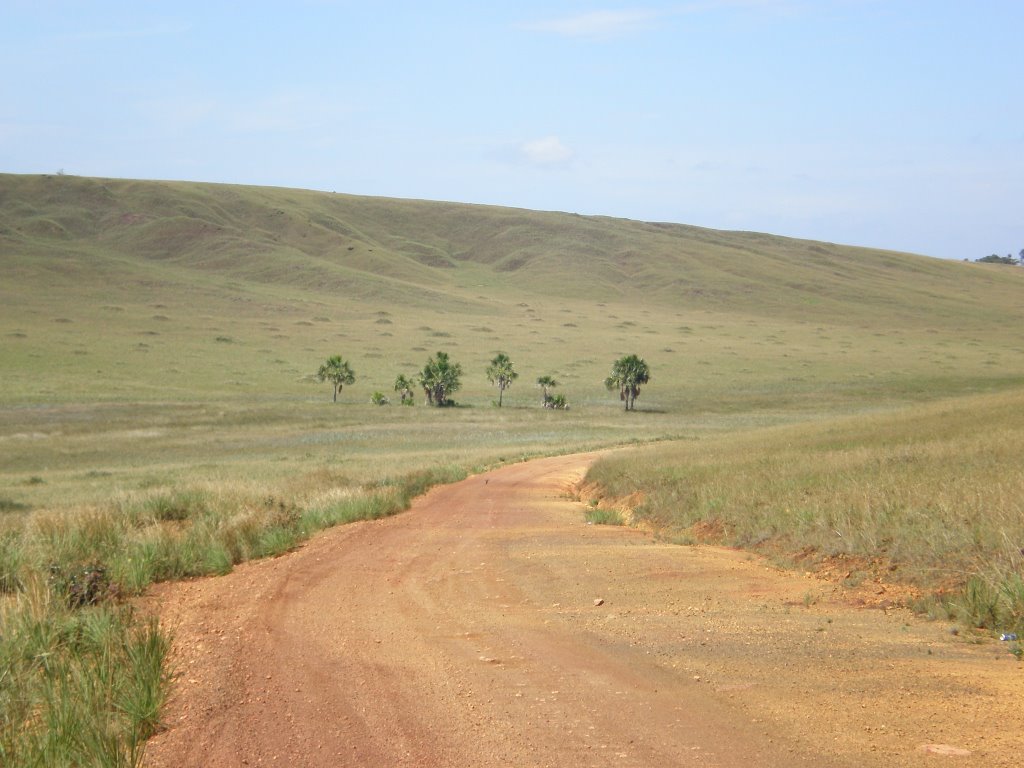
{"x": 385, "y": 248}
{"x": 150, "y": 290}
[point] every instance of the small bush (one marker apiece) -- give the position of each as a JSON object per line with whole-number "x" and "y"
{"x": 82, "y": 585}
{"x": 283, "y": 514}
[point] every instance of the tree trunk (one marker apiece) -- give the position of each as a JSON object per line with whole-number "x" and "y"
{"x": 335, "y": 393}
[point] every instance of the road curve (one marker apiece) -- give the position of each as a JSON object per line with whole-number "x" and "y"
{"x": 484, "y": 627}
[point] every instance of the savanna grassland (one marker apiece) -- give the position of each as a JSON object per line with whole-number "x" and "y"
{"x": 159, "y": 416}
{"x": 169, "y": 331}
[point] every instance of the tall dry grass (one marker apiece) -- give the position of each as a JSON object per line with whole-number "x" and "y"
{"x": 934, "y": 492}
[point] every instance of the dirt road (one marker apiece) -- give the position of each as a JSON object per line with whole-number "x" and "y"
{"x": 491, "y": 626}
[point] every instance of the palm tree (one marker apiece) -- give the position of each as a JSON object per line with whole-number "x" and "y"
{"x": 546, "y": 383}
{"x": 628, "y": 374}
{"x": 403, "y": 386}
{"x": 338, "y": 372}
{"x": 440, "y": 378}
{"x": 501, "y": 374}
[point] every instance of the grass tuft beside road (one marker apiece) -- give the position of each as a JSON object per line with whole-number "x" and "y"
{"x": 80, "y": 686}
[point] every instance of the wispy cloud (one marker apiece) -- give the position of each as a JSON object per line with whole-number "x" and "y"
{"x": 596, "y": 24}
{"x": 608, "y": 24}
{"x": 546, "y": 152}
{"x": 115, "y": 33}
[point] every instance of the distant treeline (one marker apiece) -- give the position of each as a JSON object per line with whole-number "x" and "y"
{"x": 997, "y": 259}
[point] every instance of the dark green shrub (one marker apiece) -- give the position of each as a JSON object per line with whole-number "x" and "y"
{"x": 82, "y": 585}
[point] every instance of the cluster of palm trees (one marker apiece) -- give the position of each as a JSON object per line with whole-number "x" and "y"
{"x": 557, "y": 402}
{"x": 441, "y": 378}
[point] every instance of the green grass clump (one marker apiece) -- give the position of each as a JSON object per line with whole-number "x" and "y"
{"x": 11, "y": 558}
{"x": 604, "y": 516}
{"x": 80, "y": 686}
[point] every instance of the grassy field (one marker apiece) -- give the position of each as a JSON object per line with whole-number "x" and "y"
{"x": 932, "y": 495}
{"x": 159, "y": 332}
{"x": 159, "y": 416}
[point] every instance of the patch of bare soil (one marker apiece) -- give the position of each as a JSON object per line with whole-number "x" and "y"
{"x": 491, "y": 626}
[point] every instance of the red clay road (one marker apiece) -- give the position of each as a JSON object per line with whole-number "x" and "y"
{"x": 467, "y": 632}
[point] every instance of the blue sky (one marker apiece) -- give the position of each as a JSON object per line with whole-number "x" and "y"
{"x": 888, "y": 123}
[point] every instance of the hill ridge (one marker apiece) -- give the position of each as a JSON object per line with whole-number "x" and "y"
{"x": 329, "y": 240}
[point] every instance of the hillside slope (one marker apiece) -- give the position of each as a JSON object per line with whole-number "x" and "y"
{"x": 324, "y": 242}
{"x": 233, "y": 289}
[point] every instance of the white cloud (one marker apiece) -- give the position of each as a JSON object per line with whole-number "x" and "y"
{"x": 596, "y": 24}
{"x": 547, "y": 151}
